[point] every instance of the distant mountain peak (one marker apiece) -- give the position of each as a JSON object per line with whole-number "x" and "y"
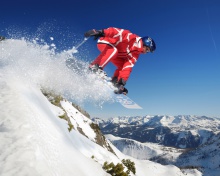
{"x": 181, "y": 131}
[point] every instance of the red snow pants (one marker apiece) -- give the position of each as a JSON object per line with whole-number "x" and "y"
{"x": 109, "y": 53}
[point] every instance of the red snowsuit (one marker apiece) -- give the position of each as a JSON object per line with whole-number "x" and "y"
{"x": 120, "y": 47}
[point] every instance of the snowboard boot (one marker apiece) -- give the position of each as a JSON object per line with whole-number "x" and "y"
{"x": 98, "y": 70}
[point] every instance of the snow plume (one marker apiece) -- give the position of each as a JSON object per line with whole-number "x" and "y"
{"x": 38, "y": 63}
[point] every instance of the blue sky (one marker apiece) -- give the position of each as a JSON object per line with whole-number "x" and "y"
{"x": 181, "y": 77}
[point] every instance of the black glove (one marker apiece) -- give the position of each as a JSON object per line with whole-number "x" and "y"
{"x": 95, "y": 33}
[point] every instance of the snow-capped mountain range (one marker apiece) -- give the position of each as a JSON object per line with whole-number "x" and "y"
{"x": 41, "y": 134}
{"x": 175, "y": 131}
{"x": 205, "y": 156}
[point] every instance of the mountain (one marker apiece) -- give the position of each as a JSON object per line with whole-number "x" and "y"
{"x": 204, "y": 157}
{"x": 45, "y": 134}
{"x": 144, "y": 151}
{"x": 174, "y": 131}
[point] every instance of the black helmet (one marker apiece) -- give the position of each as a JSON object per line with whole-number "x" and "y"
{"x": 149, "y": 42}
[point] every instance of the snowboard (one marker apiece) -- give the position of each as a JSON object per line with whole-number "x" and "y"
{"x": 124, "y": 100}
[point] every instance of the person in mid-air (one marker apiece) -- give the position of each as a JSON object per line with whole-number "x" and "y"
{"x": 122, "y": 48}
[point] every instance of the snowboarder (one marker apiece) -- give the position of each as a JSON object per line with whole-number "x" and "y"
{"x": 122, "y": 48}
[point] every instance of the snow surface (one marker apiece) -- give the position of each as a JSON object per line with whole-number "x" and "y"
{"x": 34, "y": 140}
{"x": 134, "y": 148}
{"x": 79, "y": 120}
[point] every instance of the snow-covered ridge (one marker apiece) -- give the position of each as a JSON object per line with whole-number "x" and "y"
{"x": 177, "y": 131}
{"x": 142, "y": 150}
{"x": 205, "y": 157}
{"x": 175, "y": 122}
{"x": 78, "y": 120}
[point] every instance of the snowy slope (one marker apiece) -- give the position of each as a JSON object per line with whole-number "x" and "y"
{"x": 143, "y": 151}
{"x": 150, "y": 168}
{"x": 205, "y": 157}
{"x": 34, "y": 140}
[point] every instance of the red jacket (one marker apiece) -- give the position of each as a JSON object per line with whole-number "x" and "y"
{"x": 129, "y": 46}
